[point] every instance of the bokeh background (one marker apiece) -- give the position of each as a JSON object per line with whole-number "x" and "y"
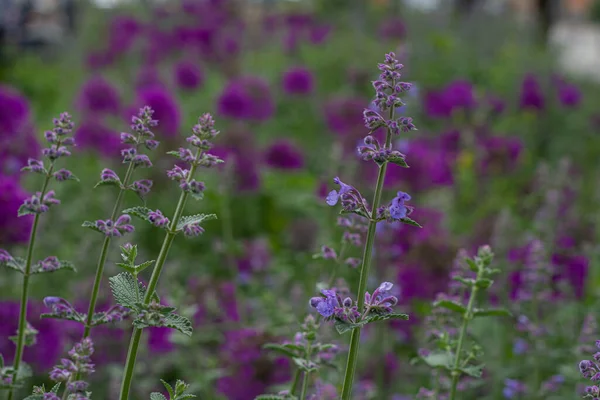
{"x": 507, "y": 105}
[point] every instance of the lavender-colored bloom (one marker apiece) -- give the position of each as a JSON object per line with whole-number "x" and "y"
{"x": 328, "y": 253}
{"x": 192, "y": 230}
{"x": 188, "y": 75}
{"x": 63, "y": 175}
{"x": 284, "y": 155}
{"x": 397, "y": 209}
{"x": 531, "y": 97}
{"x": 513, "y": 389}
{"x": 118, "y": 228}
{"x": 78, "y": 364}
{"x": 568, "y": 94}
{"x": 100, "y": 97}
{"x": 392, "y": 28}
{"x": 108, "y": 175}
{"x": 350, "y": 197}
{"x": 158, "y": 219}
{"x": 166, "y": 109}
{"x": 95, "y": 136}
{"x": 298, "y": 81}
{"x": 38, "y": 205}
{"x": 325, "y": 305}
{"x": 247, "y": 98}
{"x": 381, "y": 301}
{"x": 141, "y": 187}
{"x": 142, "y": 161}
{"x": 50, "y": 263}
{"x": 192, "y": 186}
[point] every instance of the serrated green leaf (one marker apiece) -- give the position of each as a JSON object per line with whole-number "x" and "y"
{"x": 492, "y": 312}
{"x": 451, "y": 305}
{"x": 73, "y": 317}
{"x": 124, "y": 290}
{"x": 410, "y": 221}
{"x": 465, "y": 281}
{"x": 179, "y": 322}
{"x": 439, "y": 359}
{"x": 24, "y": 211}
{"x": 17, "y": 264}
{"x": 472, "y": 265}
{"x": 282, "y": 349}
{"x": 343, "y": 327}
{"x": 194, "y": 219}
{"x": 62, "y": 265}
{"x": 91, "y": 225}
{"x": 55, "y": 388}
{"x": 140, "y": 267}
{"x": 358, "y": 212}
{"x": 157, "y": 396}
{"x": 473, "y": 370}
{"x": 140, "y": 212}
{"x": 110, "y": 182}
{"x": 398, "y": 161}
{"x": 168, "y": 387}
{"x": 155, "y": 297}
{"x": 126, "y": 267}
{"x": 197, "y": 196}
{"x": 71, "y": 177}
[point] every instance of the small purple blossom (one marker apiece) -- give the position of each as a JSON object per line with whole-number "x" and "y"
{"x": 381, "y": 301}
{"x": 35, "y": 204}
{"x": 328, "y": 253}
{"x": 349, "y": 196}
{"x": 397, "y": 209}
{"x": 192, "y": 186}
{"x": 63, "y": 175}
{"x": 177, "y": 173}
{"x": 50, "y": 263}
{"x": 59, "y": 306}
{"x": 36, "y": 166}
{"x": 5, "y": 256}
{"x": 158, "y": 219}
{"x": 192, "y": 229}
{"x": 116, "y": 229}
{"x": 141, "y": 187}
{"x": 108, "y": 175}
{"x": 141, "y": 160}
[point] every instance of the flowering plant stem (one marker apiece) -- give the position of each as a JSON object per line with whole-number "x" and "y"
{"x": 158, "y": 265}
{"x": 306, "y": 373}
{"x": 364, "y": 273}
{"x": 25, "y": 289}
{"x": 104, "y": 254}
{"x": 461, "y": 338}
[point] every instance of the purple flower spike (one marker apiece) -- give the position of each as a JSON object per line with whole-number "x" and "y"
{"x": 328, "y": 253}
{"x": 116, "y": 229}
{"x": 60, "y": 307}
{"x": 158, "y": 219}
{"x": 34, "y": 165}
{"x": 350, "y": 197}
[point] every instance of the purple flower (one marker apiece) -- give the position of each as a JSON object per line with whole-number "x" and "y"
{"x": 397, "y": 208}
{"x": 298, "y": 80}
{"x": 392, "y": 28}
{"x": 284, "y": 155}
{"x": 38, "y": 205}
{"x": 457, "y": 95}
{"x": 118, "y": 228}
{"x": 98, "y": 96}
{"x": 188, "y": 75}
{"x": 381, "y": 301}
{"x": 108, "y": 175}
{"x": 325, "y": 305}
{"x": 350, "y": 197}
{"x": 192, "y": 230}
{"x": 158, "y": 219}
{"x": 247, "y": 98}
{"x": 141, "y": 187}
{"x": 159, "y": 340}
{"x": 513, "y": 389}
{"x": 166, "y": 109}
{"x": 569, "y": 95}
{"x": 531, "y": 97}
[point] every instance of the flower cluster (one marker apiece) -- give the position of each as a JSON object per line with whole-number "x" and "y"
{"x": 40, "y": 203}
{"x": 60, "y": 307}
{"x": 71, "y": 370}
{"x": 381, "y": 301}
{"x": 591, "y": 370}
{"x": 115, "y": 228}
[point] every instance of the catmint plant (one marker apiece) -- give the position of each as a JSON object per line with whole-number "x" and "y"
{"x": 591, "y": 370}
{"x": 453, "y": 354}
{"x": 352, "y": 315}
{"x": 176, "y": 393}
{"x": 59, "y": 141}
{"x": 128, "y": 291}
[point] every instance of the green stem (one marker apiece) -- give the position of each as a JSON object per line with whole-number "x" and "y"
{"x": 364, "y": 274}
{"x": 461, "y": 338}
{"x": 158, "y": 266}
{"x": 103, "y": 255}
{"x": 306, "y": 373}
{"x": 25, "y": 289}
{"x": 295, "y": 381}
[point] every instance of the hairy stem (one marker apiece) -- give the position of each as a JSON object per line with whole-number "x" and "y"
{"x": 158, "y": 266}
{"x": 461, "y": 339}
{"x": 306, "y": 373}
{"x": 25, "y": 288}
{"x": 295, "y": 381}
{"x": 104, "y": 254}
{"x": 364, "y": 274}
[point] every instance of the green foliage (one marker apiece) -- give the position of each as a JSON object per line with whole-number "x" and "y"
{"x": 194, "y": 219}
{"x": 343, "y": 327}
{"x": 15, "y": 263}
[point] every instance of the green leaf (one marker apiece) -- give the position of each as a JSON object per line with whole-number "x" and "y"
{"x": 168, "y": 387}
{"x": 282, "y": 349}
{"x": 468, "y": 282}
{"x": 179, "y": 322}
{"x": 473, "y": 370}
{"x": 343, "y": 327}
{"x": 484, "y": 283}
{"x": 127, "y": 268}
{"x": 110, "y": 182}
{"x": 439, "y": 359}
{"x": 91, "y": 225}
{"x": 140, "y": 267}
{"x": 23, "y": 210}
{"x": 140, "y": 212}
{"x": 194, "y": 219}
{"x": 304, "y": 365}
{"x": 62, "y": 265}
{"x": 1, "y": 361}
{"x": 73, "y": 317}
{"x": 71, "y": 177}
{"x": 55, "y": 388}
{"x": 358, "y": 211}
{"x": 197, "y": 196}
{"x": 472, "y": 265}
{"x": 16, "y": 263}
{"x": 157, "y": 396}
{"x": 123, "y": 287}
{"x": 451, "y": 305}
{"x": 492, "y": 312}
{"x": 398, "y": 161}
{"x": 410, "y": 221}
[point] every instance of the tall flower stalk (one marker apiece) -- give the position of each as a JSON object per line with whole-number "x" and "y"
{"x": 149, "y": 311}
{"x": 59, "y": 141}
{"x": 350, "y": 316}
{"x": 140, "y": 125}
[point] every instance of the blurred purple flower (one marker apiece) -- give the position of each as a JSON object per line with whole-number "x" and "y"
{"x": 98, "y": 96}
{"x": 244, "y": 167}
{"x": 188, "y": 75}
{"x": 457, "y": 95}
{"x": 574, "y": 269}
{"x": 246, "y": 98}
{"x": 159, "y": 339}
{"x": 147, "y": 76}
{"x": 284, "y": 155}
{"x": 123, "y": 32}
{"x": 95, "y": 136}
{"x": 392, "y": 28}
{"x": 12, "y": 228}
{"x": 501, "y": 153}
{"x": 531, "y": 97}
{"x": 166, "y": 109}
{"x": 569, "y": 95}
{"x": 298, "y": 80}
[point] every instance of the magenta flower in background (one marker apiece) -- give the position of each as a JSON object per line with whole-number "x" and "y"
{"x": 188, "y": 75}
{"x": 318, "y": 33}
{"x": 457, "y": 95}
{"x": 98, "y": 96}
{"x": 123, "y": 32}
{"x": 392, "y": 28}
{"x": 50, "y": 340}
{"x": 94, "y": 135}
{"x": 531, "y": 97}
{"x": 285, "y": 155}
{"x": 12, "y": 228}
{"x": 568, "y": 94}
{"x": 298, "y": 80}
{"x": 14, "y": 111}
{"x": 159, "y": 340}
{"x": 344, "y": 116}
{"x": 99, "y": 59}
{"x": 246, "y": 175}
{"x": 147, "y": 76}
{"x": 166, "y": 109}
{"x": 501, "y": 153}
{"x": 574, "y": 269}
{"x": 247, "y": 98}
